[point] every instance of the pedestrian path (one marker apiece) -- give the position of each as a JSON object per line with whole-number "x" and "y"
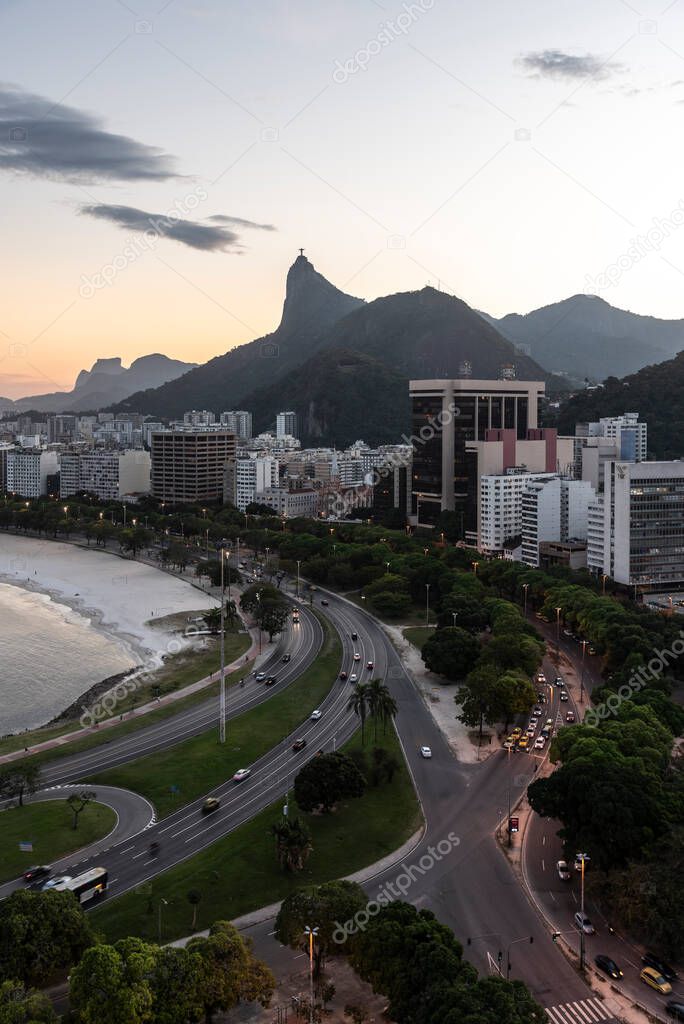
{"x": 585, "y": 1011}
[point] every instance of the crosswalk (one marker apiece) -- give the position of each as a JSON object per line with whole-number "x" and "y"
{"x": 584, "y": 1011}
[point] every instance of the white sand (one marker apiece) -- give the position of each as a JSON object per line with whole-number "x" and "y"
{"x": 118, "y": 595}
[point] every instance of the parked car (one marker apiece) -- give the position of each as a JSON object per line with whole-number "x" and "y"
{"x": 608, "y": 966}
{"x": 241, "y": 774}
{"x": 299, "y": 744}
{"x": 563, "y": 870}
{"x": 39, "y": 871}
{"x": 675, "y": 1010}
{"x": 425, "y": 752}
{"x": 591, "y": 650}
{"x": 211, "y": 804}
{"x": 654, "y": 979}
{"x": 584, "y": 924}
{"x": 567, "y": 632}
{"x": 315, "y": 715}
{"x": 651, "y": 960}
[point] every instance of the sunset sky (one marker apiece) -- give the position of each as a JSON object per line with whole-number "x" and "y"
{"x": 511, "y": 152}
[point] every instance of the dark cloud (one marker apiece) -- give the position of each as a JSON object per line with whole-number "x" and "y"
{"x": 209, "y": 237}
{"x": 558, "y": 64}
{"x": 49, "y": 140}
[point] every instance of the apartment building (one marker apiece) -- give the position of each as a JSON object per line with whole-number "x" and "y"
{"x": 188, "y": 465}
{"x": 107, "y": 474}
{"x": 243, "y": 478}
{"x": 28, "y": 469}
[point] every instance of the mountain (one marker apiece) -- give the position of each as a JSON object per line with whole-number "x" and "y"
{"x": 655, "y": 392}
{"x": 584, "y": 336}
{"x": 108, "y": 381}
{"x": 311, "y": 306}
{"x": 409, "y": 335}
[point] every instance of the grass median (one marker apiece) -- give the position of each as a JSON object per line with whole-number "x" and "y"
{"x": 419, "y": 635}
{"x": 240, "y": 873}
{"x": 49, "y": 828}
{"x": 174, "y": 777}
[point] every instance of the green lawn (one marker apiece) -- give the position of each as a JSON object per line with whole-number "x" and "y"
{"x": 418, "y": 635}
{"x": 178, "y": 671}
{"x": 240, "y": 873}
{"x": 201, "y": 763}
{"x": 49, "y": 827}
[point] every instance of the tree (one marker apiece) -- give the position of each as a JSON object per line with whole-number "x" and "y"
{"x": 177, "y": 986}
{"x": 451, "y": 652}
{"x": 111, "y": 983}
{"x": 232, "y": 974}
{"x": 516, "y": 695}
{"x": 194, "y": 898}
{"x": 293, "y": 843}
{"x": 41, "y": 932}
{"x": 78, "y": 803}
{"x": 19, "y": 780}
{"x": 21, "y": 1005}
{"x": 325, "y": 907}
{"x": 390, "y": 603}
{"x": 384, "y": 766}
{"x": 381, "y": 704}
{"x": 212, "y": 620}
{"x": 274, "y": 615}
{"x": 359, "y": 704}
{"x": 479, "y": 698}
{"x": 327, "y": 779}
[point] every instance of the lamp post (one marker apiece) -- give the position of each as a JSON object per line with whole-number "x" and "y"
{"x": 222, "y": 685}
{"x": 604, "y": 577}
{"x": 508, "y": 821}
{"x": 311, "y": 933}
{"x": 298, "y": 565}
{"x": 583, "y": 858}
{"x": 454, "y": 616}
{"x": 388, "y": 566}
{"x": 427, "y": 604}
{"x": 558, "y": 611}
{"x": 475, "y": 565}
{"x": 162, "y": 903}
{"x": 584, "y": 648}
{"x": 525, "y": 587}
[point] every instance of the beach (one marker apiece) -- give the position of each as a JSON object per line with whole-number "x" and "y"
{"x": 71, "y": 617}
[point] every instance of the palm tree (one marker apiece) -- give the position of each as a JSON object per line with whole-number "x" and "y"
{"x": 194, "y": 898}
{"x": 381, "y": 704}
{"x": 293, "y": 843}
{"x": 359, "y": 703}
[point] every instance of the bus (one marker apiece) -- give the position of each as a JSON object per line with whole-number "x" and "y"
{"x": 87, "y": 886}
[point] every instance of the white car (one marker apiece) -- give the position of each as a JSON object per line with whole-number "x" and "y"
{"x": 260, "y": 676}
{"x": 52, "y": 882}
{"x": 534, "y": 722}
{"x": 241, "y": 774}
{"x": 353, "y": 678}
{"x": 315, "y": 715}
{"x": 357, "y": 656}
{"x": 563, "y": 870}
{"x": 425, "y": 752}
{"x": 539, "y": 742}
{"x": 584, "y": 924}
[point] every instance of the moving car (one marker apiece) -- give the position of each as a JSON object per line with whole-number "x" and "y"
{"x": 606, "y": 964}
{"x": 541, "y": 697}
{"x": 536, "y": 711}
{"x": 324, "y": 602}
{"x": 530, "y": 731}
{"x": 540, "y": 742}
{"x": 315, "y": 715}
{"x": 299, "y": 744}
{"x": 52, "y": 882}
{"x": 651, "y": 960}
{"x": 343, "y": 675}
{"x": 651, "y": 977}
{"x": 270, "y": 680}
{"x": 563, "y": 870}
{"x": 533, "y": 722}
{"x": 425, "y": 752}
{"x": 510, "y": 742}
{"x": 591, "y": 650}
{"x": 675, "y": 1010}
{"x": 355, "y": 636}
{"x": 357, "y": 656}
{"x": 523, "y": 742}
{"x": 570, "y": 716}
{"x": 286, "y": 657}
{"x": 564, "y": 697}
{"x": 541, "y": 678}
{"x": 369, "y": 666}
{"x": 211, "y": 804}
{"x": 584, "y": 924}
{"x": 260, "y": 676}
{"x": 39, "y": 871}
{"x": 517, "y": 732}
{"x": 558, "y": 681}
{"x": 353, "y": 677}
{"x": 241, "y": 774}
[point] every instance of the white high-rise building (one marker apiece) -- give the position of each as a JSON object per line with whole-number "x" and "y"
{"x": 628, "y": 434}
{"x": 27, "y": 471}
{"x": 238, "y": 422}
{"x": 243, "y": 478}
{"x": 199, "y": 418}
{"x": 554, "y": 509}
{"x": 286, "y": 424}
{"x": 501, "y": 506}
{"x": 107, "y": 474}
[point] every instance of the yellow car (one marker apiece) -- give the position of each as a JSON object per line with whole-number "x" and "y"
{"x": 516, "y": 732}
{"x": 523, "y": 742}
{"x": 655, "y": 980}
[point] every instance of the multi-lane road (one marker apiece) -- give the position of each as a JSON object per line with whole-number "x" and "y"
{"x": 470, "y": 887}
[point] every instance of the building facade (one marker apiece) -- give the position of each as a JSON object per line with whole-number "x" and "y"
{"x": 28, "y": 469}
{"x": 238, "y": 422}
{"x": 107, "y": 474}
{"x": 188, "y": 465}
{"x": 286, "y": 424}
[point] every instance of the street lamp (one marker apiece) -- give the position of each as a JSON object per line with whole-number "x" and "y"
{"x": 525, "y": 587}
{"x": 311, "y": 934}
{"x": 454, "y": 616}
{"x": 558, "y": 611}
{"x": 475, "y": 565}
{"x": 298, "y": 565}
{"x": 162, "y": 903}
{"x": 582, "y": 858}
{"x": 388, "y": 566}
{"x": 604, "y": 577}
{"x": 427, "y": 604}
{"x": 584, "y": 648}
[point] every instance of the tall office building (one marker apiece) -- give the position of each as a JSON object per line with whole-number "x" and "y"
{"x": 187, "y": 465}
{"x": 450, "y": 418}
{"x": 635, "y": 528}
{"x": 239, "y": 422}
{"x": 286, "y": 424}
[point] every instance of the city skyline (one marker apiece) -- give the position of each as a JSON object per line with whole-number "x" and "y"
{"x": 506, "y": 137}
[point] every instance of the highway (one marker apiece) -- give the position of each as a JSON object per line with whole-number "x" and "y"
{"x": 472, "y": 888}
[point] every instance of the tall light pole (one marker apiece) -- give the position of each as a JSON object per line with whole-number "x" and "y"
{"x": 508, "y": 823}
{"x": 162, "y": 903}
{"x": 525, "y": 587}
{"x": 427, "y": 604}
{"x": 454, "y": 616}
{"x": 311, "y": 933}
{"x": 584, "y": 648}
{"x": 298, "y": 565}
{"x": 604, "y": 577}
{"x": 583, "y": 858}
{"x": 222, "y": 685}
{"x": 388, "y": 566}
{"x": 558, "y": 611}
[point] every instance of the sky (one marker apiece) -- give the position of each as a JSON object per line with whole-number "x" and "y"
{"x": 162, "y": 161}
